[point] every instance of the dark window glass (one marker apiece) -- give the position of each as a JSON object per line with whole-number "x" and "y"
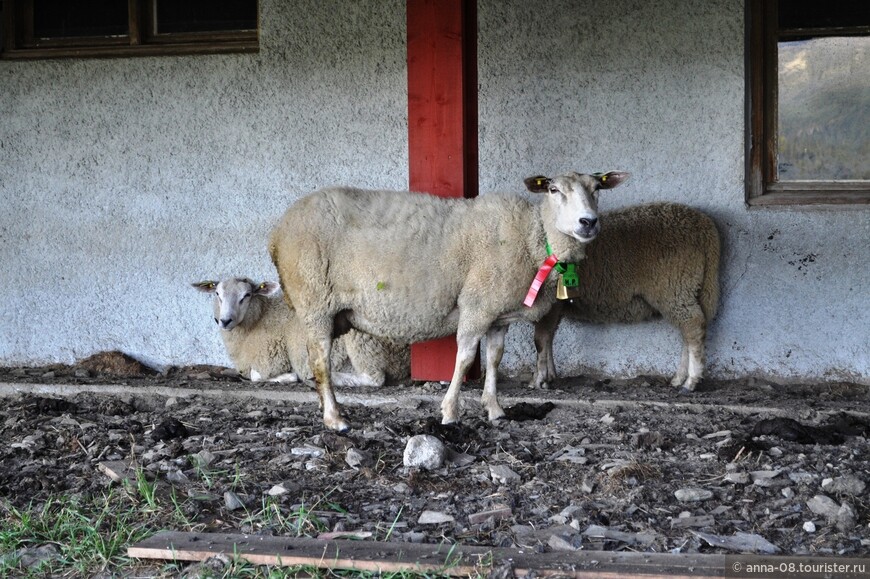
{"x": 826, "y": 14}
{"x": 205, "y": 15}
{"x": 79, "y": 18}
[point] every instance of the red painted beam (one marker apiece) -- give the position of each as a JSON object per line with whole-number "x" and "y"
{"x": 442, "y": 126}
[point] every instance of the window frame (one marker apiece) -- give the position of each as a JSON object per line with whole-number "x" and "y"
{"x": 141, "y": 40}
{"x": 762, "y": 186}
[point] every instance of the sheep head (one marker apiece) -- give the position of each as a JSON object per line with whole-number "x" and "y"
{"x": 574, "y": 199}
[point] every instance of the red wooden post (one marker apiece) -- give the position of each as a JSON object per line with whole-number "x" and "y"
{"x": 442, "y": 126}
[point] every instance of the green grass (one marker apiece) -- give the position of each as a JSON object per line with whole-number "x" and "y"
{"x": 91, "y": 534}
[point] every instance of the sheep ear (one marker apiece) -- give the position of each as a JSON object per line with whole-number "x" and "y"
{"x": 266, "y": 288}
{"x": 537, "y": 184}
{"x": 207, "y": 286}
{"x": 611, "y": 179}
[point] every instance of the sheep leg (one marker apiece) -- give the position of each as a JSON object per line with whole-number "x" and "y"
{"x": 683, "y": 368}
{"x": 545, "y": 332}
{"x": 466, "y": 351}
{"x": 350, "y": 379}
{"x": 318, "y": 358}
{"x": 494, "y": 352}
{"x": 693, "y": 328}
{"x": 282, "y": 378}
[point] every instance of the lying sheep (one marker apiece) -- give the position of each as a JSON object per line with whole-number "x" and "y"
{"x": 650, "y": 261}
{"x": 266, "y": 341}
{"x": 412, "y": 267}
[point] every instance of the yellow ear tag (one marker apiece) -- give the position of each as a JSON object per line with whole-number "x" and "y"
{"x": 603, "y": 178}
{"x": 540, "y": 182}
{"x": 262, "y": 285}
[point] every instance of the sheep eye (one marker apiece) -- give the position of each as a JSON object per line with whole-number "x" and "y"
{"x": 554, "y": 190}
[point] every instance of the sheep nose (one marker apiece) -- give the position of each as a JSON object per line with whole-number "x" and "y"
{"x": 226, "y": 322}
{"x": 588, "y": 222}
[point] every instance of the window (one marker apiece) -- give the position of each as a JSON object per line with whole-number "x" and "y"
{"x": 83, "y": 28}
{"x": 808, "y": 102}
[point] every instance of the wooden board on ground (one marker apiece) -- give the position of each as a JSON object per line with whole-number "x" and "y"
{"x": 422, "y": 558}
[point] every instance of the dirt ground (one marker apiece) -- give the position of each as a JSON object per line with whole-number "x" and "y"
{"x": 744, "y": 465}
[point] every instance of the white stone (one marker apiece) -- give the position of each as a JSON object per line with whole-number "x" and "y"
{"x": 824, "y": 506}
{"x": 810, "y": 527}
{"x": 503, "y": 474}
{"x": 424, "y": 451}
{"x": 434, "y": 518}
{"x": 693, "y": 495}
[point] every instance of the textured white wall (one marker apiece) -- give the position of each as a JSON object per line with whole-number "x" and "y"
{"x": 657, "y": 88}
{"x": 124, "y": 179}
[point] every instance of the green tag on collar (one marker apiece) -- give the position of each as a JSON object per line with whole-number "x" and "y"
{"x": 570, "y": 277}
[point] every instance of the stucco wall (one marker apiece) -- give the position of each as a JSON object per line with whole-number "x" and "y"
{"x": 124, "y": 179}
{"x": 656, "y": 88}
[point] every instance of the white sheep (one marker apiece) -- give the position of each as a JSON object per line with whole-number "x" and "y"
{"x": 266, "y": 341}
{"x": 411, "y": 267}
{"x": 650, "y": 261}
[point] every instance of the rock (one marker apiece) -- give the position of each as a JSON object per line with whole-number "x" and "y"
{"x": 787, "y": 492}
{"x": 572, "y": 454}
{"x": 414, "y": 537}
{"x": 690, "y": 495}
{"x": 739, "y": 541}
{"x": 824, "y": 506}
{"x": 232, "y": 501}
{"x": 214, "y": 566}
{"x": 309, "y": 451}
{"x": 460, "y": 459}
{"x": 117, "y": 470}
{"x": 688, "y": 522}
{"x": 434, "y": 518}
{"x": 561, "y": 542}
{"x": 503, "y": 474}
{"x": 740, "y": 478}
{"x": 648, "y": 439}
{"x": 801, "y": 477}
{"x": 497, "y": 513}
{"x": 607, "y": 419}
{"x": 849, "y": 485}
{"x": 846, "y": 518}
{"x": 810, "y": 527}
{"x": 356, "y": 458}
{"x": 424, "y": 451}
{"x": 177, "y": 476}
{"x": 761, "y": 475}
{"x": 277, "y": 490}
{"x": 35, "y": 556}
{"x": 644, "y": 538}
{"x": 203, "y": 458}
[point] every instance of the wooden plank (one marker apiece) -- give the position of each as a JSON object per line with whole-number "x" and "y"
{"x": 376, "y": 557}
{"x": 442, "y": 128}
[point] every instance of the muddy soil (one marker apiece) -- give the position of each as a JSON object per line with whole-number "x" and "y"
{"x": 614, "y": 464}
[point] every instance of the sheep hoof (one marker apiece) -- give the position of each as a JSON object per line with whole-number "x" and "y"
{"x": 338, "y": 425}
{"x": 496, "y": 415}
